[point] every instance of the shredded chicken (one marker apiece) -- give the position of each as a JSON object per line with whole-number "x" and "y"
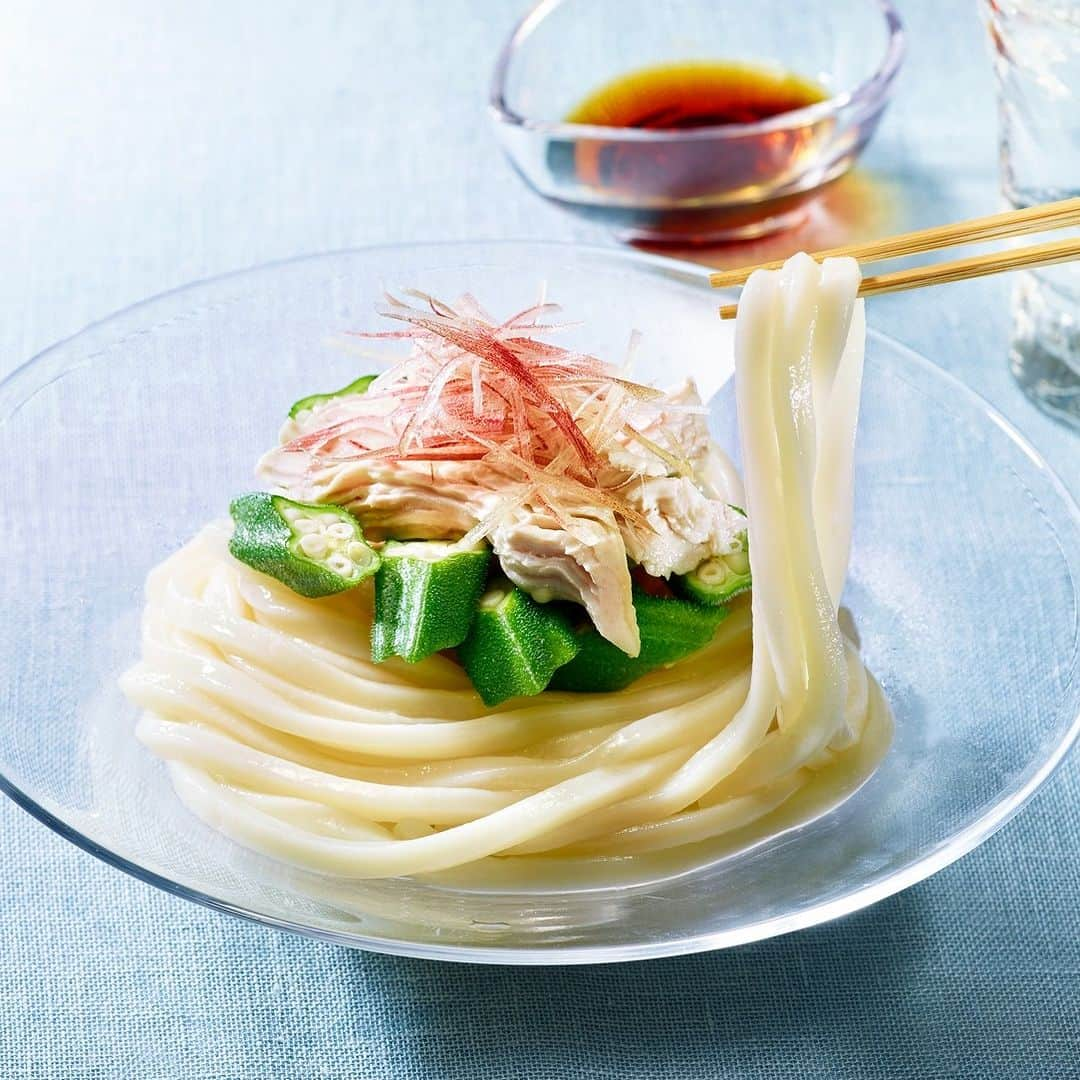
{"x": 582, "y": 558}
{"x": 566, "y": 467}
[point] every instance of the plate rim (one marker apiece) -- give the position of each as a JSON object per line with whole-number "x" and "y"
{"x": 939, "y": 857}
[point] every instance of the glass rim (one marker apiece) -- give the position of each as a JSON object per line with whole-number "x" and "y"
{"x": 930, "y": 862}
{"x": 864, "y": 97}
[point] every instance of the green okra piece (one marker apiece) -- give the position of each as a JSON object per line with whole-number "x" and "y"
{"x": 425, "y": 596}
{"x": 515, "y": 645}
{"x": 359, "y": 386}
{"x": 719, "y": 579}
{"x": 670, "y": 630}
{"x": 315, "y": 550}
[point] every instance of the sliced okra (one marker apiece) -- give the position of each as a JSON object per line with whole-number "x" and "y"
{"x": 315, "y": 550}
{"x": 515, "y": 645}
{"x": 719, "y": 579}
{"x": 359, "y": 386}
{"x": 670, "y": 630}
{"x": 425, "y": 596}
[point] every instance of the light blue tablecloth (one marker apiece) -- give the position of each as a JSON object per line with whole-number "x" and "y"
{"x": 142, "y": 146}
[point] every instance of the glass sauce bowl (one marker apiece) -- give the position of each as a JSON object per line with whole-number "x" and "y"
{"x": 700, "y": 184}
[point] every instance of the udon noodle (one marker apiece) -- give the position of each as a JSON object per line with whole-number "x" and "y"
{"x": 280, "y": 732}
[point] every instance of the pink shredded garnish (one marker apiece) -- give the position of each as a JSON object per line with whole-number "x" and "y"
{"x": 473, "y": 389}
{"x": 481, "y": 341}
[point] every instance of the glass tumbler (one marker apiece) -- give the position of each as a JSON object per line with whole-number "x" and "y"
{"x": 1035, "y": 47}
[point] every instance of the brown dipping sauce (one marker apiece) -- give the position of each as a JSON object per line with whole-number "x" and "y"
{"x": 675, "y": 97}
{"x": 732, "y": 178}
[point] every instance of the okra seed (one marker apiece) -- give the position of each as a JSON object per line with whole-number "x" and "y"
{"x": 313, "y": 546}
{"x": 304, "y": 526}
{"x": 357, "y": 551}
{"x": 291, "y": 513}
{"x": 340, "y": 530}
{"x": 712, "y": 572}
{"x": 340, "y": 564}
{"x": 739, "y": 562}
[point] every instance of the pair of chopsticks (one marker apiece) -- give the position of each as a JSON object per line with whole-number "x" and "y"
{"x": 1055, "y": 215}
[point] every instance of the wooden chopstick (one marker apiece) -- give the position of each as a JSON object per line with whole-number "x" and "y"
{"x": 995, "y": 262}
{"x": 1054, "y": 215}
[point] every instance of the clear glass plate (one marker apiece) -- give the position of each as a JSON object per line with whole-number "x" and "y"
{"x": 119, "y": 443}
